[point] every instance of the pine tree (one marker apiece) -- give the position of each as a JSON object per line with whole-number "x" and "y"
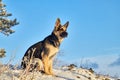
{"x": 5, "y": 23}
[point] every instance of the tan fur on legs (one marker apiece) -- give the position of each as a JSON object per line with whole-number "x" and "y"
{"x": 50, "y": 68}
{"x": 46, "y": 65}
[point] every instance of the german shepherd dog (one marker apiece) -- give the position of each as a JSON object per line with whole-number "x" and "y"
{"x": 46, "y": 49}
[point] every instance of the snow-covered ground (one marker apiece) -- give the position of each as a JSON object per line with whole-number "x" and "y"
{"x": 63, "y": 73}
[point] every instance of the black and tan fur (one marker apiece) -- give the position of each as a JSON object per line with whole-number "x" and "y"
{"x": 46, "y": 49}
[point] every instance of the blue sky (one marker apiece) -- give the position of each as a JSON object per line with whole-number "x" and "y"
{"x": 94, "y": 29}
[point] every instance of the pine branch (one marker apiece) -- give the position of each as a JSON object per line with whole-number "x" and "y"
{"x": 5, "y": 23}
{"x": 2, "y": 53}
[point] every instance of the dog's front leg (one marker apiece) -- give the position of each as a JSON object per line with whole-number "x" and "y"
{"x": 46, "y": 65}
{"x": 50, "y": 67}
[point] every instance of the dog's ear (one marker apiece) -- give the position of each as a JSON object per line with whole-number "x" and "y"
{"x": 65, "y": 25}
{"x": 57, "y": 24}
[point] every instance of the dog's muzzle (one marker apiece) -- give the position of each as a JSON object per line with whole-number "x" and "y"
{"x": 64, "y": 34}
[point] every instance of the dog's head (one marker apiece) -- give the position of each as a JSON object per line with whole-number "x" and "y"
{"x": 60, "y": 31}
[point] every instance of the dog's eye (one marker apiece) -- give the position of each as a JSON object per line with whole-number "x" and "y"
{"x": 61, "y": 29}
{"x": 58, "y": 29}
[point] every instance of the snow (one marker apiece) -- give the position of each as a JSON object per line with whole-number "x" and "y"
{"x": 63, "y": 73}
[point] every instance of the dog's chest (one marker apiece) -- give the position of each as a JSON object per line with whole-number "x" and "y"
{"x": 52, "y": 50}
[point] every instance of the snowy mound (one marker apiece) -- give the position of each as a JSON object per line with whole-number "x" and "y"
{"x": 63, "y": 73}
